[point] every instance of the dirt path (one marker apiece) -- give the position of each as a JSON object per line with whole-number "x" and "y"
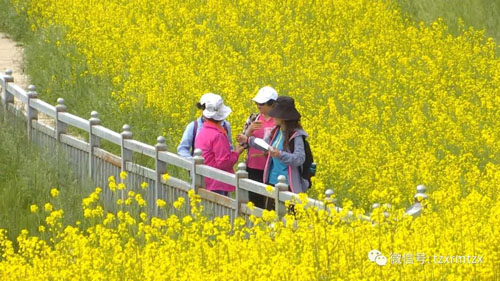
{"x": 11, "y": 57}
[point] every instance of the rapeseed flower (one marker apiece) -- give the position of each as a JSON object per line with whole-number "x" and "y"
{"x": 33, "y": 208}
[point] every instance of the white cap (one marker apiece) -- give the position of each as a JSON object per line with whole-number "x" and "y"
{"x": 214, "y": 107}
{"x": 265, "y": 94}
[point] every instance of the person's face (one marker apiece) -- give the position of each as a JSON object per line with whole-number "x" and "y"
{"x": 263, "y": 108}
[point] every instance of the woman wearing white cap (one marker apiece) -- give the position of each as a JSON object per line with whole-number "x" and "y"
{"x": 259, "y": 125}
{"x": 212, "y": 140}
{"x": 186, "y": 147}
{"x": 287, "y": 152}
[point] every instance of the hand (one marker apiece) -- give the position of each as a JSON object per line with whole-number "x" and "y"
{"x": 239, "y": 149}
{"x": 241, "y": 138}
{"x": 274, "y": 152}
{"x": 254, "y": 126}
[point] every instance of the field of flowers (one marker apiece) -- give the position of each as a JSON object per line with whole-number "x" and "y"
{"x": 388, "y": 103}
{"x": 129, "y": 245}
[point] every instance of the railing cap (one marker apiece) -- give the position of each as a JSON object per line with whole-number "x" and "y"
{"x": 61, "y": 107}
{"x": 328, "y": 193}
{"x": 32, "y": 94}
{"x": 94, "y": 118}
{"x": 242, "y": 167}
{"x": 281, "y": 185}
{"x": 161, "y": 144}
{"x": 198, "y": 156}
{"x": 8, "y": 76}
{"x": 126, "y": 134}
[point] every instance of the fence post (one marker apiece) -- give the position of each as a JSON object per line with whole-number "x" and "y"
{"x": 374, "y": 206}
{"x": 241, "y": 194}
{"x": 6, "y": 96}
{"x": 280, "y": 186}
{"x": 160, "y": 168}
{"x": 31, "y": 113}
{"x": 125, "y": 153}
{"x": 197, "y": 180}
{"x": 387, "y": 208}
{"x": 416, "y": 209}
{"x": 60, "y": 126}
{"x": 328, "y": 198}
{"x": 94, "y": 141}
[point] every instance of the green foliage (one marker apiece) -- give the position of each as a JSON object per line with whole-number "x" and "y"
{"x": 27, "y": 173}
{"x": 480, "y": 14}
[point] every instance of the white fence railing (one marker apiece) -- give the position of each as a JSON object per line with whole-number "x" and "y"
{"x": 88, "y": 159}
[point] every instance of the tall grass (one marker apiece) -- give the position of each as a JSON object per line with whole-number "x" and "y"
{"x": 54, "y": 67}
{"x": 27, "y": 174}
{"x": 479, "y": 14}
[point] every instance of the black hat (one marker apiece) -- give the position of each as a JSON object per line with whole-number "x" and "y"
{"x": 284, "y": 108}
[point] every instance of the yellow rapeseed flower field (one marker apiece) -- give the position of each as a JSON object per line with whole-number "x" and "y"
{"x": 388, "y": 103}
{"x": 452, "y": 244}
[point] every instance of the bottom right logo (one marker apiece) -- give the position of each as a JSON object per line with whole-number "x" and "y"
{"x": 377, "y": 257}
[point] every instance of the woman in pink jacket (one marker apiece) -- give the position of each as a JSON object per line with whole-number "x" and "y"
{"x": 212, "y": 140}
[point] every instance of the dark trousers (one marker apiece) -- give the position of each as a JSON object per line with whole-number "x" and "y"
{"x": 221, "y": 192}
{"x": 258, "y": 200}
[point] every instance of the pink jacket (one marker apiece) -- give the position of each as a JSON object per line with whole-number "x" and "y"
{"x": 212, "y": 140}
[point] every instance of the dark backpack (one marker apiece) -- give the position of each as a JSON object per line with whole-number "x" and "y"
{"x": 305, "y": 169}
{"x": 195, "y": 131}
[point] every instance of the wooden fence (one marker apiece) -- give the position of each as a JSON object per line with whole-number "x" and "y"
{"x": 88, "y": 159}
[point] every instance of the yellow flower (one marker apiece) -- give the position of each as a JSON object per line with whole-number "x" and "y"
{"x": 140, "y": 201}
{"x": 123, "y": 175}
{"x": 48, "y": 207}
{"x": 41, "y": 228}
{"x": 143, "y": 216}
{"x": 109, "y": 218}
{"x": 54, "y": 192}
{"x": 250, "y": 205}
{"x": 33, "y": 208}
{"x": 87, "y": 213}
{"x": 161, "y": 203}
{"x": 121, "y": 186}
{"x": 112, "y": 186}
{"x": 144, "y": 185}
{"x": 165, "y": 177}
{"x": 179, "y": 202}
{"x": 187, "y": 219}
{"x": 270, "y": 189}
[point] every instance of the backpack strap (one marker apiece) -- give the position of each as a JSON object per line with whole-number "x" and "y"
{"x": 225, "y": 127}
{"x": 292, "y": 146}
{"x": 195, "y": 130}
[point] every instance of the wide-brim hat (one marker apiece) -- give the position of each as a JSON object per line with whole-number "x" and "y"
{"x": 284, "y": 108}
{"x": 214, "y": 107}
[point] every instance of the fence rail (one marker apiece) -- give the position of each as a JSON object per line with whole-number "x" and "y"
{"x": 89, "y": 159}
